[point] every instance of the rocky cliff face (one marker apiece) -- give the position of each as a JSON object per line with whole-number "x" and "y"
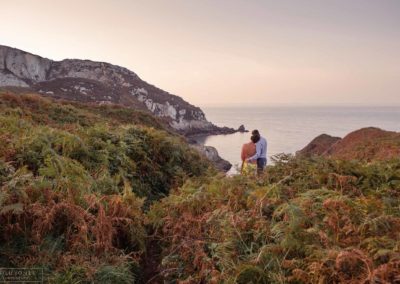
{"x": 103, "y": 83}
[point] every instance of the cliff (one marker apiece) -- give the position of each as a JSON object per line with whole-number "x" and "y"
{"x": 102, "y": 83}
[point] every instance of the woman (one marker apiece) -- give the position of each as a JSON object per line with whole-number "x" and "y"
{"x": 249, "y": 150}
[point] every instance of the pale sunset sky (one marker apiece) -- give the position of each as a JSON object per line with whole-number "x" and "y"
{"x": 226, "y": 53}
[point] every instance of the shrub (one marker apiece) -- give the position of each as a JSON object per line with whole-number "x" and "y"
{"x": 306, "y": 221}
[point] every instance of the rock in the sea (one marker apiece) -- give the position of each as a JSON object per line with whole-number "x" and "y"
{"x": 242, "y": 129}
{"x": 212, "y": 154}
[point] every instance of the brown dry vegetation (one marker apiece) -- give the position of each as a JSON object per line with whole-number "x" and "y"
{"x": 306, "y": 221}
{"x": 75, "y": 181}
{"x": 367, "y": 144}
{"x": 109, "y": 195}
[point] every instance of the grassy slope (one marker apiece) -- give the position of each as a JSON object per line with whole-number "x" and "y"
{"x": 367, "y": 144}
{"x": 73, "y": 178}
{"x": 73, "y": 182}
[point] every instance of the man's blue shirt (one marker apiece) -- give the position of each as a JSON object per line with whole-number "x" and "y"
{"x": 261, "y": 150}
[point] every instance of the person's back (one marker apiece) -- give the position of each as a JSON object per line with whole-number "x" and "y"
{"x": 248, "y": 150}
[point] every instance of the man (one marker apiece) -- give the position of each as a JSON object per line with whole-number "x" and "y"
{"x": 261, "y": 152}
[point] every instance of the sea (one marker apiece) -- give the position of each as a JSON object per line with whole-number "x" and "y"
{"x": 289, "y": 128}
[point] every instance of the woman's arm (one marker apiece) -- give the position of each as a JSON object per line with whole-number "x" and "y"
{"x": 243, "y": 154}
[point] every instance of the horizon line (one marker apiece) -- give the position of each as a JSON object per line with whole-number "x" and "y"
{"x": 293, "y": 105}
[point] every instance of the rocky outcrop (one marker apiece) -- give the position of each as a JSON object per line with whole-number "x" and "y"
{"x": 319, "y": 145}
{"x": 242, "y": 129}
{"x": 212, "y": 154}
{"x": 103, "y": 83}
{"x": 9, "y": 79}
{"x": 214, "y": 130}
{"x": 366, "y": 144}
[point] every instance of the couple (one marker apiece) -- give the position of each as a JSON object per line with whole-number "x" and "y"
{"x": 254, "y": 153}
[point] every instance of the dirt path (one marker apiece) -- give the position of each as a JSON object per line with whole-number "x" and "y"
{"x": 151, "y": 263}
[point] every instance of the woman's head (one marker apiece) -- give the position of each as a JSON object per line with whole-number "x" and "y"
{"x": 255, "y": 138}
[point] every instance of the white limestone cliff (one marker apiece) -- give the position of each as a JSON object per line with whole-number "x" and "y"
{"x": 85, "y": 80}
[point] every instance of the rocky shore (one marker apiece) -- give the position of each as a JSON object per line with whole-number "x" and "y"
{"x": 212, "y": 154}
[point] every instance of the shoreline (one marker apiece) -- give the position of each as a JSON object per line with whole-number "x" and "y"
{"x": 211, "y": 152}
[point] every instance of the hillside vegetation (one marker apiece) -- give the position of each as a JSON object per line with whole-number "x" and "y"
{"x": 104, "y": 194}
{"x": 74, "y": 180}
{"x": 306, "y": 221}
{"x": 366, "y": 144}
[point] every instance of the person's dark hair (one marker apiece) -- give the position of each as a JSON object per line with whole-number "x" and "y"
{"x": 255, "y": 132}
{"x": 255, "y": 138}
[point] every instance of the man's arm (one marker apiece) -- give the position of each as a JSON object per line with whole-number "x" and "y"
{"x": 257, "y": 154}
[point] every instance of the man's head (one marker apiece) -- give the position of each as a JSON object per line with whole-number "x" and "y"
{"x": 255, "y": 137}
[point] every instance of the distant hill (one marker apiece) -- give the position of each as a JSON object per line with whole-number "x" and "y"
{"x": 319, "y": 145}
{"x": 366, "y": 144}
{"x": 100, "y": 82}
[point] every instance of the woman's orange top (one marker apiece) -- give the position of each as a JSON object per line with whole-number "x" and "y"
{"x": 248, "y": 150}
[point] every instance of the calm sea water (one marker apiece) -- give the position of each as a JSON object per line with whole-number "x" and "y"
{"x": 288, "y": 129}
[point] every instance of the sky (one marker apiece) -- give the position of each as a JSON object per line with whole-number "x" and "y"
{"x": 226, "y": 52}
